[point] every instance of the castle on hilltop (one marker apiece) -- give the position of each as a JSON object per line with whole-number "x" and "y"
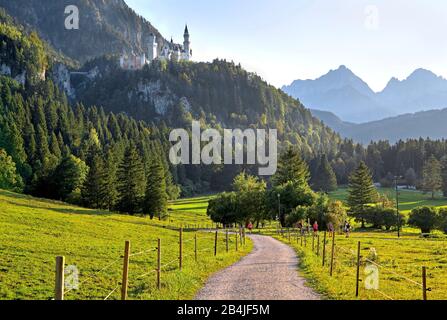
{"x": 169, "y": 51}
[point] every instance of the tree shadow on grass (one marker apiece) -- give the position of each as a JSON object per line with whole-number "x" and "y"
{"x": 74, "y": 211}
{"x": 191, "y": 208}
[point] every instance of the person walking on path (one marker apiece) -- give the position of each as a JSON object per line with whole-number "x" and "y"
{"x": 347, "y": 229}
{"x": 330, "y": 227}
{"x": 315, "y": 228}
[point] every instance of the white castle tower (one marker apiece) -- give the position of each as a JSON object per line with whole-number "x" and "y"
{"x": 187, "y": 52}
{"x": 152, "y": 48}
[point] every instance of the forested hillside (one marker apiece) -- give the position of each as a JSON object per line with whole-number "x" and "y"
{"x": 53, "y": 144}
{"x": 119, "y": 121}
{"x": 220, "y": 94}
{"x": 105, "y": 27}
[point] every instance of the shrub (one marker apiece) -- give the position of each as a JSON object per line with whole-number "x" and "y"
{"x": 424, "y": 218}
{"x": 298, "y": 214}
{"x": 381, "y": 217}
{"x": 443, "y": 220}
{"x": 224, "y": 208}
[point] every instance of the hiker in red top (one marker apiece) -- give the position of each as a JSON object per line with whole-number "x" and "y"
{"x": 315, "y": 227}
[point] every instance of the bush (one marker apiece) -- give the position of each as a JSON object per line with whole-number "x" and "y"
{"x": 381, "y": 217}
{"x": 298, "y": 214}
{"x": 224, "y": 208}
{"x": 424, "y": 218}
{"x": 443, "y": 220}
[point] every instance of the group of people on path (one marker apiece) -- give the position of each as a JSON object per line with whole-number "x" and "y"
{"x": 306, "y": 227}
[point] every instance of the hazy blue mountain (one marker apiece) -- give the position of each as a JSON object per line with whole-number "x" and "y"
{"x": 341, "y": 92}
{"x": 421, "y": 124}
{"x": 332, "y": 121}
{"x": 422, "y": 90}
{"x": 350, "y": 98}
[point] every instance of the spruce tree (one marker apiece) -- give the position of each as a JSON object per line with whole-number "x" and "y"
{"x": 109, "y": 188}
{"x": 92, "y": 193}
{"x": 291, "y": 168}
{"x": 156, "y": 199}
{"x": 325, "y": 179}
{"x": 131, "y": 182}
{"x": 361, "y": 192}
{"x": 444, "y": 176}
{"x": 432, "y": 180}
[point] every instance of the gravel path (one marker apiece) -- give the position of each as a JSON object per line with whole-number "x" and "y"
{"x": 269, "y": 272}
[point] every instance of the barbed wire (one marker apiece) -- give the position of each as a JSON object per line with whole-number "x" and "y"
{"x": 146, "y": 274}
{"x": 395, "y": 273}
{"x": 142, "y": 252}
{"x": 112, "y": 292}
{"x": 169, "y": 263}
{"x": 94, "y": 275}
{"x": 383, "y": 294}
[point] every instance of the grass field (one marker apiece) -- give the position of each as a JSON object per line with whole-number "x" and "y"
{"x": 400, "y": 260}
{"x": 400, "y": 270}
{"x": 35, "y": 231}
{"x": 408, "y": 199}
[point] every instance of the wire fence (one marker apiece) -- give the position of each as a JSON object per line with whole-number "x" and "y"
{"x": 188, "y": 248}
{"x": 353, "y": 271}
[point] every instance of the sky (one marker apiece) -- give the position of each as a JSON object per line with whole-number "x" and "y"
{"x": 284, "y": 40}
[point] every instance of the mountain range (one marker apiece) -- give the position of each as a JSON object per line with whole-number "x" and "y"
{"x": 423, "y": 124}
{"x": 350, "y": 98}
{"x": 340, "y": 99}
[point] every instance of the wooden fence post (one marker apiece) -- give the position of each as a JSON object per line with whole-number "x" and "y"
{"x": 236, "y": 241}
{"x": 332, "y": 253}
{"x": 59, "y": 284}
{"x": 318, "y": 245}
{"x": 159, "y": 265}
{"x": 324, "y": 249}
{"x": 305, "y": 240}
{"x": 313, "y": 242}
{"x": 243, "y": 233}
{"x": 195, "y": 247}
{"x": 227, "y": 241}
{"x": 357, "y": 282}
{"x": 180, "y": 256}
{"x": 215, "y": 244}
{"x": 424, "y": 283}
{"x": 125, "y": 281}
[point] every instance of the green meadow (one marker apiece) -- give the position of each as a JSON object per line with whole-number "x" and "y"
{"x": 35, "y": 231}
{"x": 408, "y": 199}
{"x": 399, "y": 261}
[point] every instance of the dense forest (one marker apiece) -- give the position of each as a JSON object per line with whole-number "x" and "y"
{"x": 71, "y": 148}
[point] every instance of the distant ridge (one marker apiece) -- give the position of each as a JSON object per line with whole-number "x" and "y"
{"x": 350, "y": 98}
{"x": 422, "y": 124}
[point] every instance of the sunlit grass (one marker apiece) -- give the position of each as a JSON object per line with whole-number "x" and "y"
{"x": 400, "y": 260}
{"x": 35, "y": 231}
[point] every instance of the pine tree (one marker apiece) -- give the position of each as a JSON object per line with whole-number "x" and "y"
{"x": 156, "y": 199}
{"x": 54, "y": 146}
{"x": 109, "y": 189}
{"x": 131, "y": 182}
{"x": 325, "y": 179}
{"x": 92, "y": 193}
{"x": 432, "y": 180}
{"x": 291, "y": 168}
{"x": 361, "y": 192}
{"x": 444, "y": 176}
